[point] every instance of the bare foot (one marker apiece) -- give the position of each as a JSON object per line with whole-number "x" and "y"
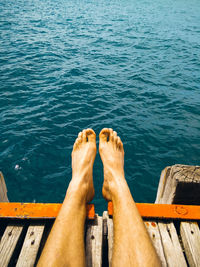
{"x": 83, "y": 155}
{"x": 112, "y": 155}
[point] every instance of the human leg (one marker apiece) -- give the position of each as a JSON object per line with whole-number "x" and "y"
{"x": 65, "y": 244}
{"x": 132, "y": 245}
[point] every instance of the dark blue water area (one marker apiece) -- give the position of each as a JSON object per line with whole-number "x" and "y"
{"x": 133, "y": 66}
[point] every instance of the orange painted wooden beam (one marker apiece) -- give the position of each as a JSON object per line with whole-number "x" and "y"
{"x": 165, "y": 211}
{"x": 43, "y": 211}
{"x": 35, "y": 210}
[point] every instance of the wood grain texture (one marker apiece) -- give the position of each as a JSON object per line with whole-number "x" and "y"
{"x": 36, "y": 210}
{"x": 179, "y": 184}
{"x": 3, "y": 189}
{"x": 110, "y": 236}
{"x": 8, "y": 243}
{"x": 171, "y": 245}
{"x": 190, "y": 235}
{"x": 30, "y": 246}
{"x": 94, "y": 236}
{"x": 161, "y": 186}
{"x": 154, "y": 233}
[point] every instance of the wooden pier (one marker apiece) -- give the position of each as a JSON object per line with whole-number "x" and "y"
{"x": 172, "y": 223}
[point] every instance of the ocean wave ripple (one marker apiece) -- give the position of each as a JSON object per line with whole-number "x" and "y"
{"x": 68, "y": 65}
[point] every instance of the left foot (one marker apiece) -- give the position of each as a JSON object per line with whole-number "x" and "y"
{"x": 83, "y": 155}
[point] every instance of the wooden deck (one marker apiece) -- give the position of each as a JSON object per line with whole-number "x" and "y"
{"x": 177, "y": 242}
{"x": 173, "y": 229}
{"x": 22, "y": 241}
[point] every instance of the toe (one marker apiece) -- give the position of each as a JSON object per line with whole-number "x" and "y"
{"x": 118, "y": 142}
{"x": 114, "y": 135}
{"x": 115, "y": 141}
{"x": 110, "y": 134}
{"x": 104, "y": 135}
{"x": 75, "y": 144}
{"x": 114, "y": 138}
{"x": 90, "y": 135}
{"x": 79, "y": 141}
{"x": 84, "y": 137}
{"x": 80, "y": 135}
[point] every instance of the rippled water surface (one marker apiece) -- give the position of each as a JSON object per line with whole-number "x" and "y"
{"x": 133, "y": 65}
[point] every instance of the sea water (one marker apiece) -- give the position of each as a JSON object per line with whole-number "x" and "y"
{"x": 132, "y": 65}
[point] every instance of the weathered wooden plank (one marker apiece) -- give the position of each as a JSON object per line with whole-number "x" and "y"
{"x": 158, "y": 211}
{"x": 37, "y": 210}
{"x": 8, "y": 243}
{"x": 171, "y": 246}
{"x": 162, "y": 183}
{"x": 154, "y": 233}
{"x": 110, "y": 236}
{"x": 190, "y": 235}
{"x": 94, "y": 236}
{"x": 3, "y": 189}
{"x": 179, "y": 184}
{"x": 30, "y": 246}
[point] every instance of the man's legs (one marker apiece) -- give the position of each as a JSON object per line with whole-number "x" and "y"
{"x": 132, "y": 245}
{"x": 65, "y": 244}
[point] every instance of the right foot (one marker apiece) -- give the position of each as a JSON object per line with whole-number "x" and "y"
{"x": 83, "y": 155}
{"x": 112, "y": 155}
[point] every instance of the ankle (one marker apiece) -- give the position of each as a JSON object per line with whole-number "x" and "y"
{"x": 78, "y": 190}
{"x": 114, "y": 175}
{"x": 118, "y": 188}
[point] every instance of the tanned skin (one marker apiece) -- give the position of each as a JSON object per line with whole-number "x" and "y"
{"x": 65, "y": 244}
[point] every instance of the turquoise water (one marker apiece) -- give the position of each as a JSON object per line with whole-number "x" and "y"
{"x": 69, "y": 65}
